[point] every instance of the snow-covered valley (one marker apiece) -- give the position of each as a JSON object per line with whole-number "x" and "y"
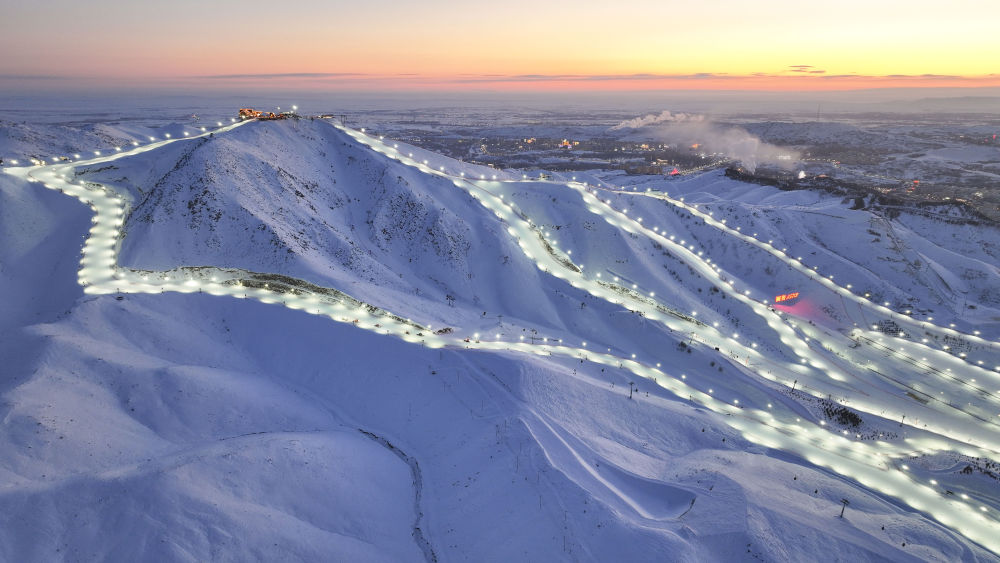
{"x": 294, "y": 340}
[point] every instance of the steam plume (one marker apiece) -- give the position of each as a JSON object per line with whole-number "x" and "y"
{"x": 688, "y": 129}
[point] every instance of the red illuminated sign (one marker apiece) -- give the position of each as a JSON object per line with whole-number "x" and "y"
{"x": 786, "y": 297}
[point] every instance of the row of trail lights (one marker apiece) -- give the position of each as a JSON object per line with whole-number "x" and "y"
{"x": 763, "y": 420}
{"x": 403, "y": 159}
{"x": 412, "y": 162}
{"x": 91, "y": 155}
{"x": 115, "y": 234}
{"x": 441, "y": 170}
{"x": 882, "y": 308}
{"x": 813, "y": 273}
{"x": 400, "y": 157}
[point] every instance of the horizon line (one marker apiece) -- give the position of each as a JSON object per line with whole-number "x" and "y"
{"x": 799, "y": 79}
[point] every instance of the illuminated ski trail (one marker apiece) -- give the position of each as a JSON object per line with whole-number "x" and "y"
{"x": 869, "y": 464}
{"x": 827, "y": 282}
{"x": 823, "y": 379}
{"x": 526, "y": 241}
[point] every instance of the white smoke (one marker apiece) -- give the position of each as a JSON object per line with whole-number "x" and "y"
{"x": 652, "y": 119}
{"x": 687, "y": 130}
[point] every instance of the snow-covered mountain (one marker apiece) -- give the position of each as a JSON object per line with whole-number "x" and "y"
{"x": 513, "y": 369}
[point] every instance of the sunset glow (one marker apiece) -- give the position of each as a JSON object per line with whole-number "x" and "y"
{"x": 518, "y": 45}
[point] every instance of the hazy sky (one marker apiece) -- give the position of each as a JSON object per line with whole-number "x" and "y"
{"x": 511, "y": 44}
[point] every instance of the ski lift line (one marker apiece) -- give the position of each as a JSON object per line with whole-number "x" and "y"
{"x": 937, "y": 371}
{"x": 987, "y": 420}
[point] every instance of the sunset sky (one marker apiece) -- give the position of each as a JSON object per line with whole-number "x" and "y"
{"x": 509, "y": 45}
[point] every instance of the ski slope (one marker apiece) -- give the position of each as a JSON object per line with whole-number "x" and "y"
{"x": 573, "y": 302}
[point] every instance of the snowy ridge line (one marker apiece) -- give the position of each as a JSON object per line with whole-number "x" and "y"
{"x": 98, "y": 266}
{"x": 983, "y": 440}
{"x": 828, "y": 282}
{"x": 841, "y": 455}
{"x": 6, "y": 161}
